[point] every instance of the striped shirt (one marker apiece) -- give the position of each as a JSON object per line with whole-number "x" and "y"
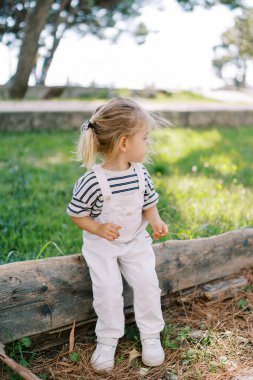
{"x": 87, "y": 197}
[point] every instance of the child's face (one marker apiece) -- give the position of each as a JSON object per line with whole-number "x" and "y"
{"x": 137, "y": 145}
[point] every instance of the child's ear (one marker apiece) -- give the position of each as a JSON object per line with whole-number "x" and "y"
{"x": 123, "y": 144}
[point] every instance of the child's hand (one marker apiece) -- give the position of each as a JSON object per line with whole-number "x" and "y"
{"x": 109, "y": 231}
{"x": 160, "y": 229}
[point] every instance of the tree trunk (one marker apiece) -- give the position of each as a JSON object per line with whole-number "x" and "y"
{"x": 244, "y": 74}
{"x": 56, "y": 40}
{"x": 35, "y": 23}
{"x": 47, "y": 61}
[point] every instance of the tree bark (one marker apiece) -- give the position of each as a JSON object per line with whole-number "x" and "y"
{"x": 244, "y": 74}
{"x": 47, "y": 61}
{"x": 35, "y": 23}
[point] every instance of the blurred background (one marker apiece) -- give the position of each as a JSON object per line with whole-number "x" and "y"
{"x": 161, "y": 45}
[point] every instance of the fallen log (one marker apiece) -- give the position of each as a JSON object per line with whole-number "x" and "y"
{"x": 217, "y": 290}
{"x": 39, "y": 296}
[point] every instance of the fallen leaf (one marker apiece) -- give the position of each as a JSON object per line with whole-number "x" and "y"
{"x": 134, "y": 354}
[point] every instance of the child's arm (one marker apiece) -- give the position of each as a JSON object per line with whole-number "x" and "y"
{"x": 108, "y": 231}
{"x": 159, "y": 227}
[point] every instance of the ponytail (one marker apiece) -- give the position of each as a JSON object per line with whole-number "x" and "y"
{"x": 87, "y": 148}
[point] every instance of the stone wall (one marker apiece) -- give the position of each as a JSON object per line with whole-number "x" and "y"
{"x": 207, "y": 118}
{"x": 23, "y": 121}
{"x": 34, "y": 120}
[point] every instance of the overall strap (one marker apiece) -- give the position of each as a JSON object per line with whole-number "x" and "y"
{"x": 102, "y": 180}
{"x": 140, "y": 174}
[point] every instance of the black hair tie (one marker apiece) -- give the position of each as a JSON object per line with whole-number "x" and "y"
{"x": 85, "y": 126}
{"x": 90, "y": 125}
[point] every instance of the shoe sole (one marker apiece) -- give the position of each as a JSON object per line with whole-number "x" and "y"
{"x": 153, "y": 364}
{"x": 99, "y": 370}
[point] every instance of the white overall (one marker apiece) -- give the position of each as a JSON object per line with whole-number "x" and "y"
{"x": 131, "y": 255}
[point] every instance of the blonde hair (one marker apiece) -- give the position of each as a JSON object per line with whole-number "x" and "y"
{"x": 117, "y": 118}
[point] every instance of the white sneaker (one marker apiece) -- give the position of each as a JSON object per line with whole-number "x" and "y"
{"x": 102, "y": 358}
{"x": 152, "y": 351}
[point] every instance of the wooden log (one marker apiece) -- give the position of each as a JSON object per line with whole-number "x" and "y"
{"x": 225, "y": 288}
{"x": 222, "y": 290}
{"x": 215, "y": 291}
{"x": 42, "y": 295}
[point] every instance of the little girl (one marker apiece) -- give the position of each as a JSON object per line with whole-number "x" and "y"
{"x": 113, "y": 203}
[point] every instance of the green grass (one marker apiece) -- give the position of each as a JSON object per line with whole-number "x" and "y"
{"x": 204, "y": 178}
{"x": 146, "y": 95}
{"x": 182, "y": 96}
{"x": 167, "y": 96}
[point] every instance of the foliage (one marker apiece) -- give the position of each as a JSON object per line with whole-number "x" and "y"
{"x": 18, "y": 351}
{"x": 243, "y": 303}
{"x": 174, "y": 336}
{"x": 190, "y": 5}
{"x": 236, "y": 48}
{"x": 104, "y": 19}
{"x": 204, "y": 178}
{"x": 74, "y": 357}
{"x": 85, "y": 16}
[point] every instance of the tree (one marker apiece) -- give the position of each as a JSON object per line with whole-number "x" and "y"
{"x": 35, "y": 21}
{"x": 82, "y": 16}
{"x": 236, "y": 49}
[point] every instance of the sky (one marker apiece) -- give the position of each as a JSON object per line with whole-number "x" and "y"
{"x": 177, "y": 56}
